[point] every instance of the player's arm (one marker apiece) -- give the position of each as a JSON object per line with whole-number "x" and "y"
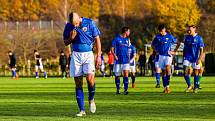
{"x": 201, "y": 45}
{"x": 200, "y": 55}
{"x": 113, "y": 52}
{"x": 153, "y": 45}
{"x": 134, "y": 55}
{"x": 113, "y": 47}
{"x": 132, "y": 59}
{"x": 98, "y": 53}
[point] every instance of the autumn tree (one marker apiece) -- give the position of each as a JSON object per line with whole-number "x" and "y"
{"x": 4, "y": 10}
{"x": 32, "y": 9}
{"x": 177, "y": 14}
{"x": 16, "y": 10}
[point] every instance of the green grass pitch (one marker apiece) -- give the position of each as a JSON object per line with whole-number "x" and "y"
{"x": 53, "y": 99}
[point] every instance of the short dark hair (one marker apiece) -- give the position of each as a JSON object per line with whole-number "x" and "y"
{"x": 71, "y": 17}
{"x": 161, "y": 27}
{"x": 9, "y": 51}
{"x": 124, "y": 29}
{"x": 35, "y": 51}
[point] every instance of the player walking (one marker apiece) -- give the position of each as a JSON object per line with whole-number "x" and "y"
{"x": 81, "y": 34}
{"x": 162, "y": 46}
{"x": 193, "y": 52}
{"x": 120, "y": 50}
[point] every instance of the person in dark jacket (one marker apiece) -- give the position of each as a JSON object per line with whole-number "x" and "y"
{"x": 142, "y": 63}
{"x": 12, "y": 64}
{"x": 63, "y": 63}
{"x": 151, "y": 62}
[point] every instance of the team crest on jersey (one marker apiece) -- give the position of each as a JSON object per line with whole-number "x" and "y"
{"x": 84, "y": 29}
{"x": 167, "y": 38}
{"x": 195, "y": 40}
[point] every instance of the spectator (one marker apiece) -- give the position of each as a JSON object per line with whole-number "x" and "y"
{"x": 110, "y": 62}
{"x": 142, "y": 62}
{"x": 152, "y": 62}
{"x": 63, "y": 64}
{"x": 102, "y": 66}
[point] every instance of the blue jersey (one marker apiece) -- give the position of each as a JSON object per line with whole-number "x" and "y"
{"x": 121, "y": 46}
{"x": 86, "y": 33}
{"x": 192, "y": 47}
{"x": 132, "y": 53}
{"x": 163, "y": 44}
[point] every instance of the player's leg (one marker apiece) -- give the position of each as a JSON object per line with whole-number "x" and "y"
{"x": 91, "y": 92}
{"x": 63, "y": 69}
{"x": 168, "y": 69}
{"x": 36, "y": 71}
{"x": 187, "y": 75}
{"x": 168, "y": 74}
{"x": 164, "y": 79}
{"x": 13, "y": 69}
{"x": 117, "y": 82}
{"x": 13, "y": 73}
{"x": 133, "y": 77}
{"x": 157, "y": 68}
{"x": 201, "y": 70}
{"x": 125, "y": 81}
{"x": 157, "y": 74}
{"x": 117, "y": 72}
{"x": 42, "y": 70}
{"x": 89, "y": 70}
{"x": 77, "y": 72}
{"x": 195, "y": 80}
{"x": 111, "y": 70}
{"x": 80, "y": 95}
{"x": 196, "y": 73}
{"x": 161, "y": 65}
{"x": 167, "y": 61}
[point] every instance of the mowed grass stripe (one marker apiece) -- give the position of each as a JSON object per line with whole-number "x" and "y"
{"x": 54, "y": 99}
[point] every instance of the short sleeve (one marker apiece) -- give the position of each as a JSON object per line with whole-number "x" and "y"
{"x": 174, "y": 40}
{"x": 114, "y": 42}
{"x": 201, "y": 43}
{"x": 154, "y": 42}
{"x": 95, "y": 30}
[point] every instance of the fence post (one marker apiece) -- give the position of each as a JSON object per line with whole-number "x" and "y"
{"x": 52, "y": 25}
{"x": 29, "y": 25}
{"x": 5, "y": 26}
